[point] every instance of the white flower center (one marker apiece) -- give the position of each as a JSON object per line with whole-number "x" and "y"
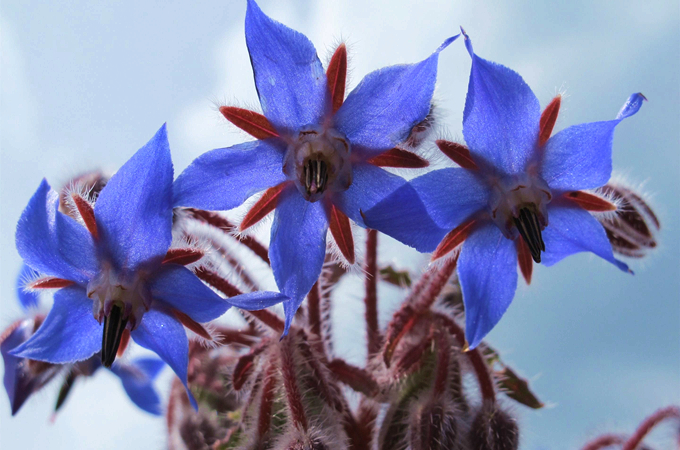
{"x": 319, "y": 161}
{"x": 519, "y": 207}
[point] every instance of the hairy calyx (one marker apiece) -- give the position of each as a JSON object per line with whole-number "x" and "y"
{"x": 318, "y": 161}
{"x": 519, "y": 208}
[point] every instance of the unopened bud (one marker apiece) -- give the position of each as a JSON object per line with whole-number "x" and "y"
{"x": 422, "y": 129}
{"x": 90, "y": 183}
{"x": 632, "y": 229}
{"x": 494, "y": 429}
{"x": 433, "y": 427}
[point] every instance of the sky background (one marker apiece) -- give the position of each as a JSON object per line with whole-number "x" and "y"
{"x": 84, "y": 84}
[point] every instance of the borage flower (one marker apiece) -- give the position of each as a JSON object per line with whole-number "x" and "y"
{"x": 317, "y": 155}
{"x": 24, "y": 377}
{"x": 113, "y": 268}
{"x": 518, "y": 195}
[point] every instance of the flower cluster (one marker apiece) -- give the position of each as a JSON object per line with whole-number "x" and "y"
{"x": 144, "y": 257}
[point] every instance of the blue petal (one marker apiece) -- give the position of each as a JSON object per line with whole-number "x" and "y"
{"x": 165, "y": 336}
{"x": 224, "y": 178}
{"x": 451, "y": 195}
{"x": 390, "y": 205}
{"x": 179, "y": 287}
{"x": 19, "y": 385}
{"x": 53, "y": 243}
{"x": 580, "y": 157}
{"x": 381, "y": 111}
{"x": 572, "y": 230}
{"x": 487, "y": 269}
{"x": 501, "y": 116}
{"x": 70, "y": 333}
{"x": 289, "y": 77}
{"x": 254, "y": 301}
{"x": 138, "y": 383}
{"x": 134, "y": 210}
{"x": 27, "y": 299}
{"x": 298, "y": 244}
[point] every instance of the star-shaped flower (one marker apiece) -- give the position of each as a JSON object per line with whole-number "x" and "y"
{"x": 113, "y": 268}
{"x": 318, "y": 154}
{"x": 24, "y": 377}
{"x": 518, "y": 194}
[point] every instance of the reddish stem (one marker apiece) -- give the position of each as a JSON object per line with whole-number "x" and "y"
{"x": 670, "y": 412}
{"x": 355, "y": 377}
{"x": 604, "y": 441}
{"x": 218, "y": 282}
{"x": 267, "y": 401}
{"x": 314, "y": 310}
{"x": 436, "y": 285}
{"x": 290, "y": 384}
{"x": 371, "y": 299}
{"x": 227, "y": 227}
{"x": 443, "y": 361}
{"x": 479, "y": 366}
{"x": 268, "y": 318}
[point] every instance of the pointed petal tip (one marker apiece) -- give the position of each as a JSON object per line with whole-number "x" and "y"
{"x": 468, "y": 42}
{"x": 632, "y": 106}
{"x": 447, "y": 42}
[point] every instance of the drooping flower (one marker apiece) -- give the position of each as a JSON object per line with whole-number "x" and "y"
{"x": 24, "y": 377}
{"x": 518, "y": 194}
{"x": 137, "y": 378}
{"x": 318, "y": 154}
{"x": 113, "y": 268}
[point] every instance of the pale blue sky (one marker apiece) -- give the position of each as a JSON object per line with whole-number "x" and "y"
{"x": 85, "y": 83}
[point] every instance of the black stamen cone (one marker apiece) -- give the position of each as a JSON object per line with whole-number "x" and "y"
{"x": 529, "y": 228}
{"x": 65, "y": 390}
{"x": 114, "y": 325}
{"x": 315, "y": 175}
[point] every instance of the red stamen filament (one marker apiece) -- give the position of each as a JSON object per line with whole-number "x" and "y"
{"x": 452, "y": 240}
{"x": 87, "y": 214}
{"x": 251, "y": 122}
{"x": 192, "y": 325}
{"x": 526, "y": 262}
{"x": 342, "y": 233}
{"x": 590, "y": 202}
{"x": 398, "y": 157}
{"x": 49, "y": 283}
{"x": 548, "y": 119}
{"x": 265, "y": 205}
{"x": 458, "y": 153}
{"x": 183, "y": 256}
{"x": 336, "y": 74}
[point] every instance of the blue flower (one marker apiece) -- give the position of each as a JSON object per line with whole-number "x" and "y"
{"x": 517, "y": 196}
{"x": 24, "y": 377}
{"x": 314, "y": 153}
{"x": 110, "y": 271}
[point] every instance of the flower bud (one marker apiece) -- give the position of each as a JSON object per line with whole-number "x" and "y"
{"x": 632, "y": 229}
{"x": 494, "y": 429}
{"x": 433, "y": 427}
